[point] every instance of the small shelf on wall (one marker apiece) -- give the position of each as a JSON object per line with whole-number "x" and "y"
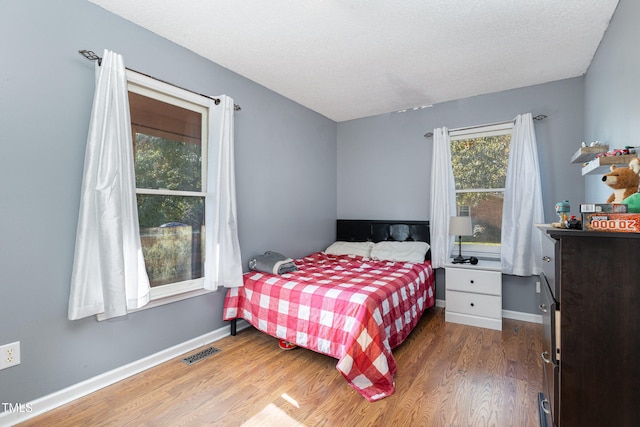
{"x": 603, "y": 163}
{"x": 584, "y": 154}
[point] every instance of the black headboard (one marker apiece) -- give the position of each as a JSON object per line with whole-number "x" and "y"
{"x": 359, "y": 230}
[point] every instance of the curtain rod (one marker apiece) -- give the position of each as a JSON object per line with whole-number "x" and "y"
{"x": 538, "y": 117}
{"x": 91, "y": 56}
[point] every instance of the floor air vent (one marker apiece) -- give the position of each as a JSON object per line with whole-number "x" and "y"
{"x": 190, "y": 360}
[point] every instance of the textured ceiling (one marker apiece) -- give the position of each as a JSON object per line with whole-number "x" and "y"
{"x": 348, "y": 59}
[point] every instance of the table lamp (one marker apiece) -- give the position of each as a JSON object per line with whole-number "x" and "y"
{"x": 460, "y": 226}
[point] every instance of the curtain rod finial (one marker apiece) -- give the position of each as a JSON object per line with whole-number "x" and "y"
{"x": 90, "y": 55}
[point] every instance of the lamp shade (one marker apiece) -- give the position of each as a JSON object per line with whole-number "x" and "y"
{"x": 460, "y": 226}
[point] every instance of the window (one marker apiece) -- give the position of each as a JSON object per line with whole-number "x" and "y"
{"x": 169, "y": 127}
{"x": 479, "y": 158}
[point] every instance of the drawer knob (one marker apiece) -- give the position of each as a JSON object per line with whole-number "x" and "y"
{"x": 472, "y": 305}
{"x": 546, "y": 258}
{"x": 542, "y": 308}
{"x": 471, "y": 281}
{"x": 545, "y": 357}
{"x": 544, "y": 405}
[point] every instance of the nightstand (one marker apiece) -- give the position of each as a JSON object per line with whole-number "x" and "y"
{"x": 474, "y": 294}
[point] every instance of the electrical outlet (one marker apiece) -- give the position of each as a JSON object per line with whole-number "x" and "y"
{"x": 10, "y": 355}
{"x": 537, "y": 287}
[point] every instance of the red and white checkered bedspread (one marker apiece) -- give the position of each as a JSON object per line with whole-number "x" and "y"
{"x": 347, "y": 307}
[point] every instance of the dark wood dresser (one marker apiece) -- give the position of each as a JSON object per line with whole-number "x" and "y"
{"x": 591, "y": 312}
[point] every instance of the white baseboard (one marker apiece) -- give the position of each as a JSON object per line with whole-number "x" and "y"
{"x": 519, "y": 315}
{"x": 81, "y": 389}
{"x": 440, "y": 303}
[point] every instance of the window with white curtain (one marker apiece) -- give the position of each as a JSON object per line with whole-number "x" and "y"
{"x": 479, "y": 158}
{"x": 169, "y": 127}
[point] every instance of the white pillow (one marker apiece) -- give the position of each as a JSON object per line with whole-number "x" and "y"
{"x": 400, "y": 251}
{"x": 362, "y": 249}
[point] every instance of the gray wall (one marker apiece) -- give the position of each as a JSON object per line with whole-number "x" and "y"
{"x": 612, "y": 91}
{"x": 286, "y": 187}
{"x": 384, "y": 161}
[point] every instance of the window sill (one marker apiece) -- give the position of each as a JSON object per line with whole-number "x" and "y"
{"x": 480, "y": 255}
{"x": 163, "y": 301}
{"x": 486, "y": 252}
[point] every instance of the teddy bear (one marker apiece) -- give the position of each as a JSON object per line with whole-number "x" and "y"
{"x": 624, "y": 181}
{"x": 633, "y": 201}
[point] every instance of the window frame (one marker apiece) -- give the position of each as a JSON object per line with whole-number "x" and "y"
{"x": 496, "y": 129}
{"x": 165, "y": 92}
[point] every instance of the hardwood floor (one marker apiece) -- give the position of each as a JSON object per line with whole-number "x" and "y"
{"x": 448, "y": 375}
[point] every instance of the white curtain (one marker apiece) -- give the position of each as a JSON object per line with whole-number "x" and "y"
{"x": 108, "y": 274}
{"x": 223, "y": 265}
{"x": 521, "y": 241}
{"x": 443, "y": 198}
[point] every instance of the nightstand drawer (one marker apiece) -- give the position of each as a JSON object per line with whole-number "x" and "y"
{"x": 474, "y": 304}
{"x": 477, "y": 281}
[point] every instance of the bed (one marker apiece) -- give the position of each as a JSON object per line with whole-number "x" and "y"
{"x": 345, "y": 304}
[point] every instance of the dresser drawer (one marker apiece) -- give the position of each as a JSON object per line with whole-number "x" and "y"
{"x": 549, "y": 261}
{"x": 477, "y": 281}
{"x": 474, "y": 304}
